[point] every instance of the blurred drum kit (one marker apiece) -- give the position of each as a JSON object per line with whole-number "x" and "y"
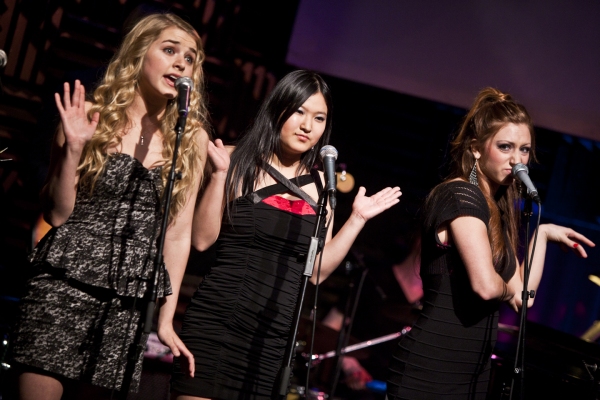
{"x": 317, "y": 362}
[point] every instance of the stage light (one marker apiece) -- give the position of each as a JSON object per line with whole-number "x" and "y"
{"x": 344, "y": 180}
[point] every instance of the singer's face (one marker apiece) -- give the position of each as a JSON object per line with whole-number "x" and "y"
{"x": 509, "y": 146}
{"x": 304, "y": 128}
{"x": 169, "y": 57}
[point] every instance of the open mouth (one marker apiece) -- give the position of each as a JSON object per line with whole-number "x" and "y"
{"x": 171, "y": 79}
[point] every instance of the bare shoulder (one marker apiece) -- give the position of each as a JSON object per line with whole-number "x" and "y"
{"x": 202, "y": 137}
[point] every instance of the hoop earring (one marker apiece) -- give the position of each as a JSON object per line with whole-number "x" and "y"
{"x": 473, "y": 174}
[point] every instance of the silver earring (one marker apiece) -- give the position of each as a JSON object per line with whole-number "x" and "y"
{"x": 473, "y": 175}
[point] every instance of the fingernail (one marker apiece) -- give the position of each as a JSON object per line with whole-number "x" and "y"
{"x": 575, "y": 245}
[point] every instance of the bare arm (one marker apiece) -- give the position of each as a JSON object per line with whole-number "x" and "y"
{"x": 469, "y": 235}
{"x": 566, "y": 237}
{"x": 176, "y": 253}
{"x": 363, "y": 209}
{"x": 59, "y": 192}
{"x": 209, "y": 210}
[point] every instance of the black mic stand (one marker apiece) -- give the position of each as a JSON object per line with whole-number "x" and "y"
{"x": 519, "y": 367}
{"x": 346, "y": 329}
{"x": 137, "y": 347}
{"x": 316, "y": 245}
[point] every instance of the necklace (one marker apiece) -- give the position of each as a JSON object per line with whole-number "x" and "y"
{"x": 141, "y": 140}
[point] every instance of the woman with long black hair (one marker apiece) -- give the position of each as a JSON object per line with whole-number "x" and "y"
{"x": 261, "y": 207}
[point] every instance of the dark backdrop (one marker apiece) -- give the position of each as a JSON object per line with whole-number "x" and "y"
{"x": 383, "y": 137}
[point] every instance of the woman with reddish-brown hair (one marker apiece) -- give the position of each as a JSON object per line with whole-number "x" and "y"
{"x": 469, "y": 264}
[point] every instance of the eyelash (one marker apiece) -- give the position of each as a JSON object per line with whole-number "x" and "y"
{"x": 301, "y": 112}
{"x": 171, "y": 51}
{"x": 506, "y": 147}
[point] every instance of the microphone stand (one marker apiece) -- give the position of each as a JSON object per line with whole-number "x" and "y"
{"x": 152, "y": 291}
{"x": 344, "y": 335}
{"x": 519, "y": 366}
{"x": 316, "y": 245}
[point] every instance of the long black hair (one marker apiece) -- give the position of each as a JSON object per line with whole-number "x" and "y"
{"x": 263, "y": 139}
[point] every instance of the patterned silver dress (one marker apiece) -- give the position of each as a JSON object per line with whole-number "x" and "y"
{"x": 81, "y": 311}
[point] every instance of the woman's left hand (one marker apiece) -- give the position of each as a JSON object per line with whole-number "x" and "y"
{"x": 218, "y": 156}
{"x": 168, "y": 337}
{"x": 368, "y": 207}
{"x": 567, "y": 238}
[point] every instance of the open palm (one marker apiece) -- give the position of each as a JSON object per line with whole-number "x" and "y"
{"x": 78, "y": 129}
{"x": 368, "y": 207}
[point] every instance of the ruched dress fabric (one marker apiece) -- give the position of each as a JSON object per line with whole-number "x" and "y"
{"x": 447, "y": 354}
{"x": 238, "y": 322}
{"x": 79, "y": 311}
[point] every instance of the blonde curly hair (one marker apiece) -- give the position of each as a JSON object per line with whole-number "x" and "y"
{"x": 116, "y": 93}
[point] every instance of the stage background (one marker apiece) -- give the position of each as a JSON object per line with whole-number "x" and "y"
{"x": 402, "y": 75}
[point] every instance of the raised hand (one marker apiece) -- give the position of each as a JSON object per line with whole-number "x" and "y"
{"x": 218, "y": 156}
{"x": 78, "y": 130}
{"x": 567, "y": 238}
{"x": 368, "y": 207}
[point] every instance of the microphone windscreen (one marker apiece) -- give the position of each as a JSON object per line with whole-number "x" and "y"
{"x": 185, "y": 81}
{"x": 3, "y": 59}
{"x": 518, "y": 168}
{"x": 328, "y": 151}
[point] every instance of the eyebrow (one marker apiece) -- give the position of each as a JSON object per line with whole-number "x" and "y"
{"x": 177, "y": 42}
{"x": 513, "y": 143}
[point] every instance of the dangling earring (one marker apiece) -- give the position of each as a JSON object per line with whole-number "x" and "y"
{"x": 473, "y": 175}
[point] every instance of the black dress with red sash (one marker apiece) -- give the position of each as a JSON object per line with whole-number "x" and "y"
{"x": 238, "y": 323}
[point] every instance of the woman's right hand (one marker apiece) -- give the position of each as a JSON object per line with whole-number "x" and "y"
{"x": 78, "y": 130}
{"x": 168, "y": 337}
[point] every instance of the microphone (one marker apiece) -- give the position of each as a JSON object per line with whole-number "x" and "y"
{"x": 184, "y": 87}
{"x": 3, "y": 59}
{"x": 521, "y": 172}
{"x": 328, "y": 156}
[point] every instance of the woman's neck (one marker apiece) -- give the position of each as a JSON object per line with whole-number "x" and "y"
{"x": 141, "y": 106}
{"x": 488, "y": 188}
{"x": 288, "y": 167}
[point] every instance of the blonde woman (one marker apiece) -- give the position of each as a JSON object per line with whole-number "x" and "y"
{"x": 109, "y": 167}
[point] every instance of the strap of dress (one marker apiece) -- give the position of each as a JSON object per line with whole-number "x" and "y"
{"x": 317, "y": 178}
{"x": 289, "y": 185}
